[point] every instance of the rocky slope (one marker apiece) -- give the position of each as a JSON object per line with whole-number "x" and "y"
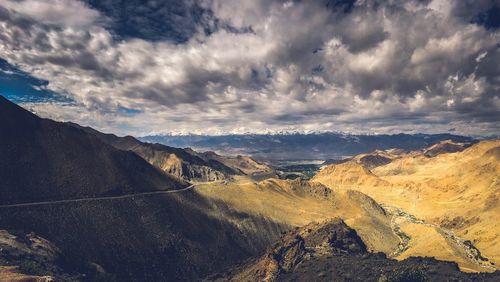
{"x": 29, "y": 257}
{"x": 181, "y": 163}
{"x": 348, "y": 175}
{"x": 187, "y": 164}
{"x": 297, "y": 203}
{"x": 383, "y": 157}
{"x": 243, "y": 164}
{"x": 446, "y": 146}
{"x": 332, "y": 251}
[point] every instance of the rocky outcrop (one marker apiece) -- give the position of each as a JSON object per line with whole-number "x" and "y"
{"x": 333, "y": 237}
{"x": 314, "y": 189}
{"x": 332, "y": 251}
{"x": 29, "y": 257}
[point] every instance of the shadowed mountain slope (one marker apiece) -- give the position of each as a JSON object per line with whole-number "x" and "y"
{"x": 29, "y": 253}
{"x": 45, "y": 160}
{"x": 169, "y": 237}
{"x": 177, "y": 236}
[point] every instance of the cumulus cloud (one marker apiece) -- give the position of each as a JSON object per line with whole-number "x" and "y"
{"x": 60, "y": 12}
{"x": 218, "y": 66}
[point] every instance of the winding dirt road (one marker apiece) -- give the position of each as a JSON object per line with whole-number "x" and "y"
{"x": 106, "y": 198}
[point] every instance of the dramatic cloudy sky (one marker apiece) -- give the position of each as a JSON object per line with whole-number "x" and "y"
{"x": 228, "y": 66}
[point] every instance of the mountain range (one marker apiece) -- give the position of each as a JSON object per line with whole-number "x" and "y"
{"x": 300, "y": 146}
{"x": 80, "y": 205}
{"x": 185, "y": 164}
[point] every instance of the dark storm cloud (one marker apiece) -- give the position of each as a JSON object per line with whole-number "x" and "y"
{"x": 156, "y": 20}
{"x": 489, "y": 18}
{"x": 153, "y": 20}
{"x": 307, "y": 114}
{"x": 217, "y": 66}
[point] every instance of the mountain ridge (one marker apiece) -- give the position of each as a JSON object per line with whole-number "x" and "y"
{"x": 175, "y": 161}
{"x": 185, "y": 164}
{"x": 137, "y": 238}
{"x": 64, "y": 162}
{"x": 304, "y": 146}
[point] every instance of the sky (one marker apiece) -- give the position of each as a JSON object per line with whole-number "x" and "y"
{"x": 226, "y": 66}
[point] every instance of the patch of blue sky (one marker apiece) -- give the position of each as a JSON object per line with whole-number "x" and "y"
{"x": 20, "y": 87}
{"x": 129, "y": 111}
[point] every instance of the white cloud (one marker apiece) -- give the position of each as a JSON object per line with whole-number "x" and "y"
{"x": 302, "y": 66}
{"x": 59, "y": 12}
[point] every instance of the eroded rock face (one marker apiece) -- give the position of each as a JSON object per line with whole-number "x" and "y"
{"x": 181, "y": 164}
{"x": 332, "y": 251}
{"x": 283, "y": 258}
{"x": 333, "y": 237}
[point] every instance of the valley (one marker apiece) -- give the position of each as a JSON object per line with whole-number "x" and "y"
{"x": 291, "y": 169}
{"x": 452, "y": 193}
{"x": 249, "y": 141}
{"x": 164, "y": 213}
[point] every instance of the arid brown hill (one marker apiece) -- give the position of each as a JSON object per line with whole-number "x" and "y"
{"x": 450, "y": 187}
